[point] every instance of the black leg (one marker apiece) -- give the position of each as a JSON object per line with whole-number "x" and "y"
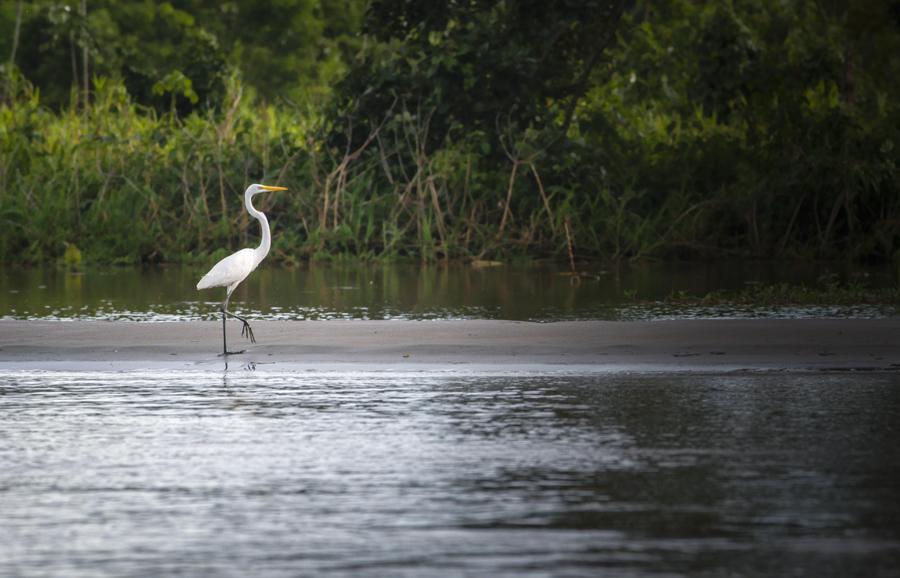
{"x": 246, "y": 330}
{"x": 225, "y": 313}
{"x": 224, "y": 339}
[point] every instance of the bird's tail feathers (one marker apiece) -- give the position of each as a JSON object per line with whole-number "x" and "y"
{"x": 205, "y": 283}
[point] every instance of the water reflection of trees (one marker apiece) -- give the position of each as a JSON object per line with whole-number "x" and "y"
{"x": 374, "y": 290}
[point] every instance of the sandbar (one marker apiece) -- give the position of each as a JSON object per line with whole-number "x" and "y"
{"x": 468, "y": 346}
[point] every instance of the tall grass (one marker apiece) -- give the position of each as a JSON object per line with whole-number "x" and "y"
{"x": 126, "y": 185}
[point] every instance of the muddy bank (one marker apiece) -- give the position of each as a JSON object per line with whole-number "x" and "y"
{"x": 592, "y": 346}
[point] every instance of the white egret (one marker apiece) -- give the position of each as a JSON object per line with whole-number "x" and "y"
{"x": 233, "y": 269}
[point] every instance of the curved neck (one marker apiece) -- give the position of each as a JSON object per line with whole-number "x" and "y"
{"x": 266, "y": 242}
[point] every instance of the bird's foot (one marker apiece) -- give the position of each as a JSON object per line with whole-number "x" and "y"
{"x": 247, "y": 331}
{"x": 226, "y": 353}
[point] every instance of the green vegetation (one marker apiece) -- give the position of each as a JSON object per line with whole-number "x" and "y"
{"x": 827, "y": 292}
{"x": 490, "y": 129}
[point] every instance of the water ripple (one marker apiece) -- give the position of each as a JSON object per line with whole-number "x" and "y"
{"x": 270, "y": 473}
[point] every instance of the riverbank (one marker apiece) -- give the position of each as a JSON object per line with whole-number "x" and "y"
{"x": 466, "y": 346}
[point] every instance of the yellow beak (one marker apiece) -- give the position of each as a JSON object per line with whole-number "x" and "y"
{"x": 268, "y": 188}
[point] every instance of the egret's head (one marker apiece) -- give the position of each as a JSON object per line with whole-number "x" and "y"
{"x": 254, "y": 189}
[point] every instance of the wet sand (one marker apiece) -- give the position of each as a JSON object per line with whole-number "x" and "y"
{"x": 464, "y": 346}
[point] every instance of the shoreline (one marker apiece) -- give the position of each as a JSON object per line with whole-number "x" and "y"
{"x": 471, "y": 346}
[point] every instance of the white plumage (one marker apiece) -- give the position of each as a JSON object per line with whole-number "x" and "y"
{"x": 233, "y": 269}
{"x": 230, "y": 271}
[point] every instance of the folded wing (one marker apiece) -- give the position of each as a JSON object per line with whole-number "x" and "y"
{"x": 230, "y": 270}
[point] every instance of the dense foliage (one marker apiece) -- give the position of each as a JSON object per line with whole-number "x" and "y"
{"x": 467, "y": 129}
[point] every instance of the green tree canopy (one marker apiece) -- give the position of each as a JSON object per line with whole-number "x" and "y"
{"x": 470, "y": 63}
{"x": 289, "y": 48}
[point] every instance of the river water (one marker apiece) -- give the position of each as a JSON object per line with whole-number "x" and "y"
{"x": 410, "y": 291}
{"x": 243, "y": 472}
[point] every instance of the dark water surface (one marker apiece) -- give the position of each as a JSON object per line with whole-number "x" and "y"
{"x": 258, "y": 473}
{"x": 411, "y": 291}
